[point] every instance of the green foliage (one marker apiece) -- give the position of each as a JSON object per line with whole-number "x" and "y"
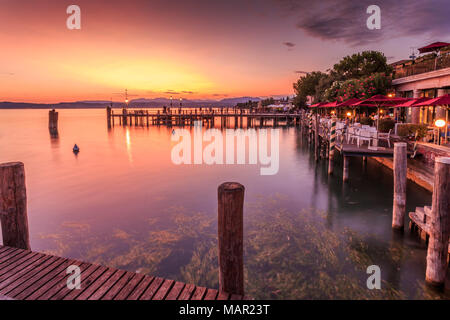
{"x": 409, "y": 130}
{"x": 361, "y": 65}
{"x": 386, "y": 125}
{"x": 306, "y": 86}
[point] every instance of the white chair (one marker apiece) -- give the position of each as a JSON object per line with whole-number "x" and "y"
{"x": 385, "y": 136}
{"x": 364, "y": 135}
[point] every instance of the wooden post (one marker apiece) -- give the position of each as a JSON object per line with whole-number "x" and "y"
{"x": 231, "y": 237}
{"x": 53, "y": 120}
{"x": 13, "y": 206}
{"x": 400, "y": 166}
{"x": 316, "y": 137}
{"x": 108, "y": 115}
{"x": 332, "y": 144}
{"x": 346, "y": 168}
{"x": 439, "y": 223}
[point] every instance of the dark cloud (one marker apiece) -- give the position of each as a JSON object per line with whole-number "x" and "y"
{"x": 345, "y": 20}
{"x": 289, "y": 44}
{"x": 188, "y": 92}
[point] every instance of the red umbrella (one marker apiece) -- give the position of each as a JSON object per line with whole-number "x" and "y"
{"x": 439, "y": 101}
{"x": 330, "y": 105}
{"x": 411, "y": 103}
{"x": 350, "y": 103}
{"x": 433, "y": 47}
{"x": 317, "y": 105}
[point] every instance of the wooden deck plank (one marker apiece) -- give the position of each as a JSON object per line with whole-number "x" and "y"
{"x": 119, "y": 285}
{"x": 96, "y": 284}
{"x": 27, "y": 275}
{"x": 151, "y": 289}
{"x": 86, "y": 283}
{"x": 18, "y": 278}
{"x": 61, "y": 290}
{"x": 187, "y": 292}
{"x": 211, "y": 294}
{"x": 163, "y": 290}
{"x": 199, "y": 293}
{"x": 22, "y": 267}
{"x": 140, "y": 288}
{"x": 175, "y": 291}
{"x": 223, "y": 296}
{"x": 34, "y": 278}
{"x": 100, "y": 292}
{"x": 49, "y": 281}
{"x": 129, "y": 287}
{"x": 10, "y": 260}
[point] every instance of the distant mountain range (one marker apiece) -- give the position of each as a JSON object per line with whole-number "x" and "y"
{"x": 135, "y": 103}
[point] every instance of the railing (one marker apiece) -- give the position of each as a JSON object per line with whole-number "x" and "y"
{"x": 428, "y": 64}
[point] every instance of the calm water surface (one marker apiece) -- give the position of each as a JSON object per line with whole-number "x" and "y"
{"x": 123, "y": 203}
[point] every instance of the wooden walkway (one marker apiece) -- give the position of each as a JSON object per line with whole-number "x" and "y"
{"x": 27, "y": 275}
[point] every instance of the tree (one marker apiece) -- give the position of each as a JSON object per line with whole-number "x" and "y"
{"x": 361, "y": 65}
{"x": 306, "y": 86}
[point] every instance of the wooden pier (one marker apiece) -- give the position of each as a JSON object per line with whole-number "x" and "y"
{"x": 28, "y": 275}
{"x": 209, "y": 117}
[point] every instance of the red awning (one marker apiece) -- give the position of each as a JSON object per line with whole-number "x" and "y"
{"x": 433, "y": 47}
{"x": 440, "y": 101}
{"x": 330, "y": 105}
{"x": 411, "y": 103}
{"x": 317, "y": 104}
{"x": 350, "y": 103}
{"x": 380, "y": 100}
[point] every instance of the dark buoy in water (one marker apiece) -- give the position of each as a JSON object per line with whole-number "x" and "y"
{"x": 76, "y": 149}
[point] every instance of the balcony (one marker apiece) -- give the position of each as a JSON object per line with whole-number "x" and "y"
{"x": 427, "y": 63}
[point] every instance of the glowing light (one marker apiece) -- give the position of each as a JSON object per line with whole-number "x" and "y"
{"x": 349, "y": 114}
{"x": 439, "y": 123}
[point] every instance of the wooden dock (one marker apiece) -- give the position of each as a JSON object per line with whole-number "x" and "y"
{"x": 27, "y": 275}
{"x": 184, "y": 117}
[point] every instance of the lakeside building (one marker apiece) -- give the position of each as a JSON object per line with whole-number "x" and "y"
{"x": 426, "y": 76}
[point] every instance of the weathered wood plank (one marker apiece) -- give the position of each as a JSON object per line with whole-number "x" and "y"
{"x": 175, "y": 291}
{"x": 187, "y": 292}
{"x": 51, "y": 280}
{"x": 151, "y": 289}
{"x": 86, "y": 283}
{"x": 129, "y": 287}
{"x": 20, "y": 268}
{"x": 96, "y": 284}
{"x": 61, "y": 290}
{"x": 211, "y": 294}
{"x": 163, "y": 290}
{"x": 107, "y": 285}
{"x": 223, "y": 296}
{"x": 12, "y": 257}
{"x": 23, "y": 275}
{"x": 32, "y": 278}
{"x": 140, "y": 288}
{"x": 199, "y": 293}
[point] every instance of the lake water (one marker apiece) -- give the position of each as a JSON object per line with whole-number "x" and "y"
{"x": 123, "y": 203}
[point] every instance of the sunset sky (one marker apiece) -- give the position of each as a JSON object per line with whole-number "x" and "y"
{"x": 195, "y": 49}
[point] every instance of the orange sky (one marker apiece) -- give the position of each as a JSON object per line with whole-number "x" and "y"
{"x": 196, "y": 49}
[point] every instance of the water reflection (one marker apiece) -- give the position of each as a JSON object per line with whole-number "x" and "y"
{"x": 307, "y": 235}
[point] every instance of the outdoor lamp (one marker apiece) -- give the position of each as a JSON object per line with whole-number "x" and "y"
{"x": 439, "y": 124}
{"x": 349, "y": 114}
